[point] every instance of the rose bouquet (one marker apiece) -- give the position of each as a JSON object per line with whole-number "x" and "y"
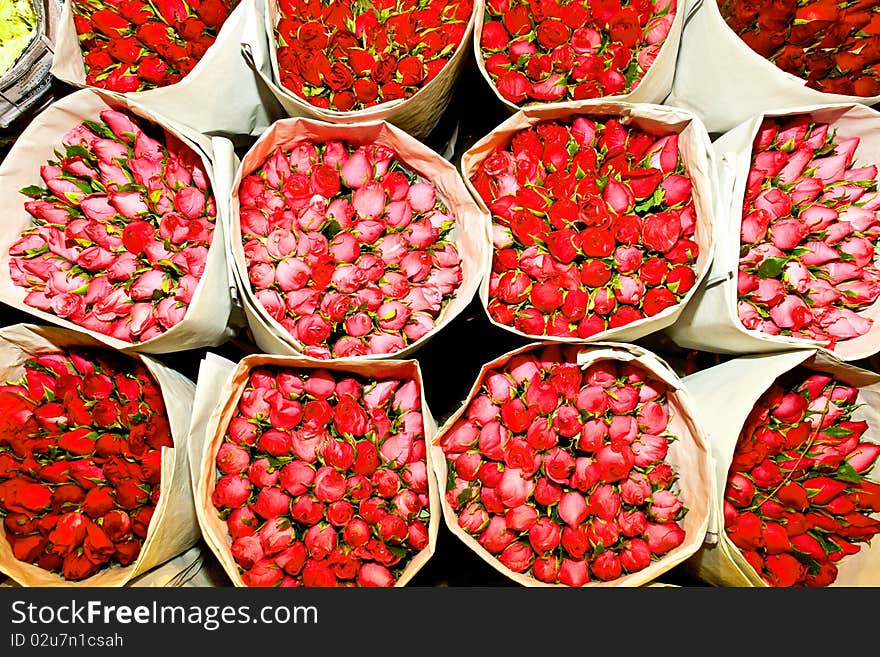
{"x": 317, "y": 476}
{"x": 352, "y": 241}
{"x": 803, "y": 211}
{"x": 601, "y": 219}
{"x": 796, "y": 450}
{"x": 835, "y": 49}
{"x": 94, "y": 483}
{"x": 118, "y": 236}
{"x": 136, "y": 45}
{"x": 164, "y": 53}
{"x": 576, "y": 467}
{"x": 549, "y": 51}
{"x": 787, "y": 53}
{"x": 394, "y": 60}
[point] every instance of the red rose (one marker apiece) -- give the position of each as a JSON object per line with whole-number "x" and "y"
{"x": 518, "y": 21}
{"x": 597, "y": 242}
{"x": 339, "y": 77}
{"x": 661, "y": 231}
{"x": 513, "y": 86}
{"x": 552, "y": 32}
{"x": 349, "y": 417}
{"x": 656, "y": 299}
{"x": 411, "y": 70}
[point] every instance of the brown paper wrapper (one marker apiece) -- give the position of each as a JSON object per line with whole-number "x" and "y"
{"x": 222, "y": 407}
{"x": 689, "y": 456}
{"x": 173, "y": 528}
{"x": 469, "y": 234}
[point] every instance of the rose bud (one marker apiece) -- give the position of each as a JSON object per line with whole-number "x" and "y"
{"x": 374, "y": 574}
{"x": 317, "y": 573}
{"x": 782, "y": 570}
{"x": 232, "y": 459}
{"x": 320, "y": 539}
{"x": 546, "y": 492}
{"x": 514, "y": 489}
{"x": 615, "y": 462}
{"x": 606, "y": 566}
{"x": 386, "y": 482}
{"x": 546, "y": 569}
{"x": 356, "y": 532}
{"x": 604, "y": 502}
{"x": 242, "y": 432}
{"x": 372, "y": 510}
{"x": 307, "y": 510}
{"x": 665, "y": 506}
{"x": 573, "y": 508}
{"x": 663, "y": 537}
{"x": 330, "y": 485}
{"x": 496, "y": 536}
{"x": 521, "y": 518}
{"x": 241, "y": 522}
{"x": 740, "y": 490}
{"x": 407, "y": 504}
{"x": 247, "y": 550}
{"x": 262, "y": 474}
{"x": 574, "y": 572}
{"x": 517, "y": 556}
{"x": 99, "y": 501}
{"x": 231, "y": 491}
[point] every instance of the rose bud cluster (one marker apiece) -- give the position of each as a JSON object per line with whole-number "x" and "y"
{"x": 136, "y": 45}
{"x": 809, "y": 229}
{"x": 81, "y": 436}
{"x": 347, "y": 56}
{"x": 322, "y": 478}
{"x": 797, "y": 499}
{"x": 561, "y": 473}
{"x": 593, "y": 227}
{"x": 350, "y": 251}
{"x": 120, "y": 231}
{"x": 540, "y": 51}
{"x": 834, "y": 46}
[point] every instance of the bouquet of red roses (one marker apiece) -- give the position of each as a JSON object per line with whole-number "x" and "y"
{"x": 798, "y": 442}
{"x": 118, "y": 236}
{"x": 834, "y": 47}
{"x": 135, "y": 45}
{"x": 91, "y": 456}
{"x": 319, "y": 477}
{"x": 545, "y": 51}
{"x": 394, "y": 60}
{"x": 600, "y": 225}
{"x": 347, "y": 249}
{"x": 575, "y": 467}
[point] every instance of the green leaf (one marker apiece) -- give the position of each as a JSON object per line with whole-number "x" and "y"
{"x": 466, "y": 495}
{"x": 656, "y": 199}
{"x": 398, "y": 550}
{"x": 34, "y": 191}
{"x": 848, "y": 474}
{"x": 78, "y": 151}
{"x": 771, "y": 268}
{"x": 332, "y": 229}
{"x": 837, "y": 432}
{"x": 827, "y": 546}
{"x": 100, "y": 129}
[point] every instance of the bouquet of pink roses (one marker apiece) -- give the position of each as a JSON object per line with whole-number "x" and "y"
{"x": 352, "y": 240}
{"x": 570, "y": 466}
{"x": 804, "y": 210}
{"x": 115, "y": 229}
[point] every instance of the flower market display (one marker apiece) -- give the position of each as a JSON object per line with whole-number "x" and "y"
{"x": 625, "y": 250}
